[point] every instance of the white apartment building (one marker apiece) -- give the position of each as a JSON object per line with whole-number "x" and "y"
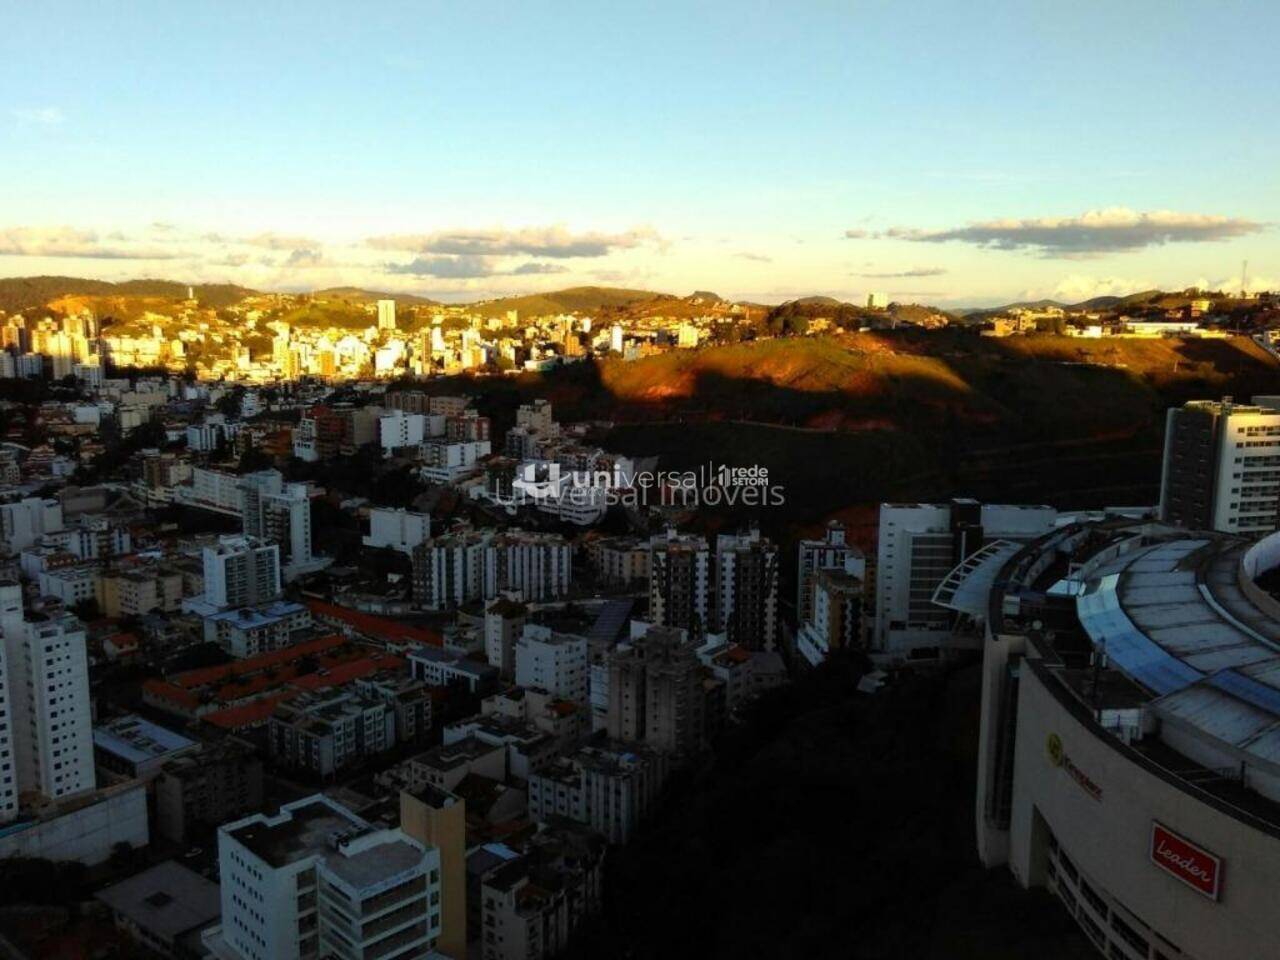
{"x": 397, "y": 528}
{"x": 398, "y": 429}
{"x": 279, "y": 512}
{"x": 211, "y": 490}
{"x": 444, "y": 461}
{"x": 470, "y": 565}
{"x": 829, "y": 553}
{"x": 45, "y": 711}
{"x": 317, "y": 881}
{"x": 241, "y": 571}
{"x": 23, "y": 522}
{"x": 919, "y": 544}
{"x": 553, "y": 662}
{"x": 1221, "y": 466}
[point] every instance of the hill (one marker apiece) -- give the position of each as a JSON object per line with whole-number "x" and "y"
{"x": 23, "y": 293}
{"x": 360, "y": 295}
{"x": 571, "y": 300}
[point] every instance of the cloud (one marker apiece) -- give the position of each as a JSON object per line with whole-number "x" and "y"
{"x": 533, "y": 267}
{"x": 555, "y": 242}
{"x": 454, "y": 268}
{"x": 757, "y": 257}
{"x": 70, "y": 242}
{"x": 856, "y": 234}
{"x": 1077, "y": 287}
{"x": 305, "y": 257}
{"x": 1096, "y": 232}
{"x": 39, "y": 116}
{"x": 273, "y": 241}
{"x": 913, "y": 272}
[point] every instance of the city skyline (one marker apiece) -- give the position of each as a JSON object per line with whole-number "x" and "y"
{"x": 764, "y": 153}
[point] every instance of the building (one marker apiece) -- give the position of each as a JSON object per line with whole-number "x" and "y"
{"x": 1130, "y": 730}
{"x": 919, "y": 544}
{"x": 619, "y": 560}
{"x": 532, "y": 903}
{"x": 829, "y": 553}
{"x": 503, "y": 626}
{"x": 655, "y": 692}
{"x": 397, "y": 529}
{"x": 438, "y": 818}
{"x": 1221, "y": 466}
{"x": 45, "y": 713}
{"x": 610, "y": 789}
{"x": 835, "y": 617}
{"x": 437, "y": 667}
{"x": 552, "y": 662}
{"x": 747, "y": 589}
{"x": 250, "y": 631}
{"x": 325, "y": 732}
{"x": 166, "y": 909}
{"x": 386, "y": 314}
{"x": 23, "y": 522}
{"x": 241, "y": 571}
{"x": 316, "y": 880}
{"x": 278, "y": 513}
{"x": 681, "y": 581}
{"x": 137, "y": 748}
{"x": 479, "y": 565}
{"x": 197, "y": 791}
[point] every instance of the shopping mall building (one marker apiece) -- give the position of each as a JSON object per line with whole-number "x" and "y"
{"x": 1129, "y": 759}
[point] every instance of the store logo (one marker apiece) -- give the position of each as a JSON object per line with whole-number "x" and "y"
{"x": 1193, "y": 865}
{"x": 1058, "y": 757}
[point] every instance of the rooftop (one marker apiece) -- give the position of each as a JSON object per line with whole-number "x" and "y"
{"x": 167, "y": 900}
{"x": 135, "y": 739}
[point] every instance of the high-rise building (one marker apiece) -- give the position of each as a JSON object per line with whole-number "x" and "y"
{"x": 317, "y": 881}
{"x": 553, "y": 662}
{"x": 919, "y": 544}
{"x": 241, "y": 571}
{"x": 280, "y": 513}
{"x": 469, "y": 565}
{"x": 437, "y": 818}
{"x": 832, "y": 552}
{"x": 747, "y": 589}
{"x": 46, "y": 725}
{"x": 681, "y": 581}
{"x": 835, "y": 615}
{"x": 386, "y": 314}
{"x": 655, "y": 692}
{"x": 1222, "y": 466}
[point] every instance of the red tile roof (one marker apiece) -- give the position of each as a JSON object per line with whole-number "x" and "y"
{"x": 383, "y": 628}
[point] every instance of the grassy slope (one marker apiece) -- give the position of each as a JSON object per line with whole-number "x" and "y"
{"x": 563, "y": 301}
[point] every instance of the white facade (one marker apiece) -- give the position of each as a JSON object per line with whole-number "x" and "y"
{"x": 1221, "y": 467}
{"x": 553, "y": 662}
{"x": 316, "y": 880}
{"x": 50, "y": 725}
{"x": 398, "y": 429}
{"x": 386, "y": 314}
{"x": 480, "y": 565}
{"x": 919, "y": 544}
{"x": 241, "y": 572}
{"x": 398, "y": 529}
{"x": 25, "y": 521}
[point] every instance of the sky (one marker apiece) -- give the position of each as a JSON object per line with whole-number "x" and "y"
{"x": 936, "y": 152}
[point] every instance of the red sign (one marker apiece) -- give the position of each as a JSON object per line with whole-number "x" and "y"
{"x": 1195, "y": 866}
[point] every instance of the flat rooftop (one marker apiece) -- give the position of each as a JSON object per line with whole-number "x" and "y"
{"x": 298, "y": 831}
{"x": 136, "y": 739}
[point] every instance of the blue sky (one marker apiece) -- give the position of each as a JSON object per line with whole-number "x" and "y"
{"x": 944, "y": 152}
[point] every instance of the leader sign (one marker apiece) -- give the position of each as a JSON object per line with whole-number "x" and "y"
{"x": 1196, "y": 867}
